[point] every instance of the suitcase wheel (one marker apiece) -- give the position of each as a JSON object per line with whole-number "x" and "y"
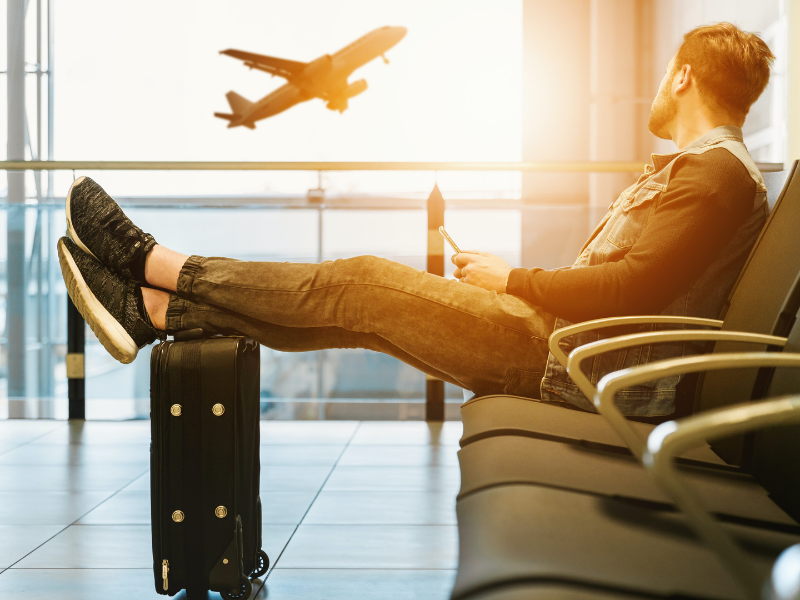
{"x": 262, "y": 564}
{"x": 243, "y": 593}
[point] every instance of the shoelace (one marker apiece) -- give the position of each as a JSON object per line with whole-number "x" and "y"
{"x": 119, "y": 227}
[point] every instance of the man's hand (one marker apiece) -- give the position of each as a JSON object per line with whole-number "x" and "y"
{"x": 481, "y": 269}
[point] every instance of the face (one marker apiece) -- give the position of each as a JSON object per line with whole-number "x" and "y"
{"x": 664, "y": 108}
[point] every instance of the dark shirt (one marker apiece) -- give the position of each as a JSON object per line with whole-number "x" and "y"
{"x": 708, "y": 198}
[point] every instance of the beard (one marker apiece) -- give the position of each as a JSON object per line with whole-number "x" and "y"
{"x": 662, "y": 114}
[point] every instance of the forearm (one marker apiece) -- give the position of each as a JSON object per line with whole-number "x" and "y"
{"x": 588, "y": 293}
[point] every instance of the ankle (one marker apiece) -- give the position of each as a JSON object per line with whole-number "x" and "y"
{"x": 149, "y": 266}
{"x": 155, "y": 304}
{"x": 162, "y": 267}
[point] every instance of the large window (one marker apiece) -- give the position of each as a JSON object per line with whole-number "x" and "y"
{"x": 125, "y": 82}
{"x": 142, "y": 83}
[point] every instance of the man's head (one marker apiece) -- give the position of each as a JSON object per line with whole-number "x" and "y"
{"x": 718, "y": 72}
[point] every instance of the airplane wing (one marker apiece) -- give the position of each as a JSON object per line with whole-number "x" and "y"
{"x": 281, "y": 67}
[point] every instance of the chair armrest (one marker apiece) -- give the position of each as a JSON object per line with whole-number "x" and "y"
{"x": 674, "y": 437}
{"x": 560, "y": 334}
{"x": 592, "y": 349}
{"x": 609, "y": 385}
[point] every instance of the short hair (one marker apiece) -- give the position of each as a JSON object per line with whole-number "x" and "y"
{"x": 731, "y": 66}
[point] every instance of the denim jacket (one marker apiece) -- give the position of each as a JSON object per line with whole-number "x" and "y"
{"x": 613, "y": 238}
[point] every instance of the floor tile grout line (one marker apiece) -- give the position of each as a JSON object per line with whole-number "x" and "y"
{"x": 130, "y": 483}
{"x": 59, "y": 532}
{"x": 75, "y": 522}
{"x": 337, "y": 462}
{"x": 332, "y": 468}
{"x": 18, "y": 446}
{"x": 344, "y": 449}
{"x": 275, "y": 564}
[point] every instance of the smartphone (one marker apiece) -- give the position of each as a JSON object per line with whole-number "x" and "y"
{"x": 449, "y": 240}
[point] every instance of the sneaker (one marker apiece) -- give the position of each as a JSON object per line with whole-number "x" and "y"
{"x": 99, "y": 227}
{"x": 111, "y": 305}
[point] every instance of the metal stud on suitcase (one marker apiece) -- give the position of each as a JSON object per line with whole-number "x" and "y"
{"x": 204, "y": 459}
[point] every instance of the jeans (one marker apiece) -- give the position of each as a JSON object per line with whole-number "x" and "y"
{"x": 479, "y": 340}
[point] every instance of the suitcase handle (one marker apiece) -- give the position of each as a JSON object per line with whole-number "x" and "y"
{"x": 189, "y": 335}
{"x": 201, "y": 334}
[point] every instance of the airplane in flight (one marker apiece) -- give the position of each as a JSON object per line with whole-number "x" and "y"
{"x": 325, "y": 78}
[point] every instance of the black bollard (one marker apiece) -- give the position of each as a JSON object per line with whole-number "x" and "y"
{"x": 76, "y": 341}
{"x": 434, "y": 388}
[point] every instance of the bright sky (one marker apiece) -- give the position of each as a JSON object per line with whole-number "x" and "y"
{"x": 142, "y": 81}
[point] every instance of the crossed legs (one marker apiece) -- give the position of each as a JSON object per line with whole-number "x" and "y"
{"x": 480, "y": 340}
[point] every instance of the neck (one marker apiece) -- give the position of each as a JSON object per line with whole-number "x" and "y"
{"x": 685, "y": 133}
{"x": 694, "y": 125}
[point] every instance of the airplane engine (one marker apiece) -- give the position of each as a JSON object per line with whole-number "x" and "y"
{"x": 340, "y": 101}
{"x": 354, "y": 89}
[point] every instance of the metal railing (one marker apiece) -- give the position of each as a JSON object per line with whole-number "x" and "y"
{"x": 524, "y": 167}
{"x": 541, "y": 167}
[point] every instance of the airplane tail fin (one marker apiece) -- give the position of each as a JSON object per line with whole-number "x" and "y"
{"x": 233, "y": 120}
{"x": 241, "y": 107}
{"x": 239, "y": 104}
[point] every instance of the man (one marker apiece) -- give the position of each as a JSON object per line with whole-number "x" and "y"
{"x": 672, "y": 243}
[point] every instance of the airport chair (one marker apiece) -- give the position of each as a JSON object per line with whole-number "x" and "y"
{"x": 605, "y": 403}
{"x": 775, "y": 455}
{"x": 756, "y": 305}
{"x": 510, "y": 460}
{"x": 534, "y": 535}
{"x": 668, "y": 438}
{"x": 784, "y": 584}
{"x": 728, "y": 492}
{"x": 527, "y": 536}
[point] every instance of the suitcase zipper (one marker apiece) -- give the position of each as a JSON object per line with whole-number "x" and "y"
{"x": 155, "y": 454}
{"x": 163, "y": 453}
{"x": 166, "y": 434}
{"x": 165, "y": 573}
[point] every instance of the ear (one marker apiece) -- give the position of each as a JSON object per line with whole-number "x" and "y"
{"x": 682, "y": 80}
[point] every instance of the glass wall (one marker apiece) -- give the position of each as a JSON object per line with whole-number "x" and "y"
{"x": 143, "y": 85}
{"x": 108, "y": 81}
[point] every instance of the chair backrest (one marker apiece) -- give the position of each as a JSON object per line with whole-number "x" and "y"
{"x": 775, "y": 182}
{"x": 759, "y": 298}
{"x": 744, "y": 297}
{"x": 774, "y": 458}
{"x": 769, "y": 273}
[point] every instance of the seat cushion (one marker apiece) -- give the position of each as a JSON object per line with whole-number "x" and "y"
{"x": 547, "y": 590}
{"x": 487, "y": 416}
{"x": 518, "y": 533}
{"x": 516, "y": 459}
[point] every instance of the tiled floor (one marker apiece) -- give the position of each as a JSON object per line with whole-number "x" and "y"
{"x": 351, "y": 510}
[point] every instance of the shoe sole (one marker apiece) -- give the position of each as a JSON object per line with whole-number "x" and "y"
{"x": 73, "y": 235}
{"x": 107, "y": 329}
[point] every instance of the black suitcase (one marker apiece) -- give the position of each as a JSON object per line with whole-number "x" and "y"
{"x": 204, "y": 465}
